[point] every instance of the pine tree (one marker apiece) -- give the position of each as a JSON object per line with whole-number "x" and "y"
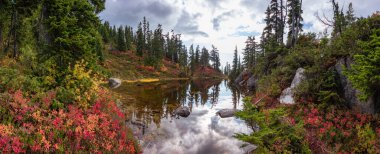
{"x": 183, "y": 56}
{"x": 365, "y": 73}
{"x": 235, "y": 65}
{"x": 192, "y": 58}
{"x": 294, "y": 21}
{"x": 350, "y": 17}
{"x": 158, "y": 43}
{"x": 105, "y": 32}
{"x": 204, "y": 59}
{"x": 197, "y": 55}
{"x": 78, "y": 39}
{"x": 249, "y": 54}
{"x": 214, "y": 57}
{"x": 140, "y": 41}
{"x": 128, "y": 37}
{"x": 145, "y": 30}
{"x": 275, "y": 19}
{"x": 121, "y": 44}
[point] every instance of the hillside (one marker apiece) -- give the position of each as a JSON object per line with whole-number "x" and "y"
{"x": 126, "y": 65}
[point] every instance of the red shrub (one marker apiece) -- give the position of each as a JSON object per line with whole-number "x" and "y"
{"x": 97, "y": 129}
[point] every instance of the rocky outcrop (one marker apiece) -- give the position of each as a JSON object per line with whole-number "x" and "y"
{"x": 287, "y": 95}
{"x": 242, "y": 78}
{"x": 114, "y": 82}
{"x": 252, "y": 83}
{"x": 350, "y": 93}
{"x": 225, "y": 113}
{"x": 182, "y": 111}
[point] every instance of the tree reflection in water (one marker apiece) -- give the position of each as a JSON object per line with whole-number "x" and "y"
{"x": 151, "y": 106}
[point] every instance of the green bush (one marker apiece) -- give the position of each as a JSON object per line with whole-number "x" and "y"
{"x": 274, "y": 134}
{"x": 365, "y": 72}
{"x": 12, "y": 79}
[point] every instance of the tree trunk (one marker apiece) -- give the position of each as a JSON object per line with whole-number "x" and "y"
{"x": 293, "y": 25}
{"x": 298, "y": 21}
{"x": 282, "y": 22}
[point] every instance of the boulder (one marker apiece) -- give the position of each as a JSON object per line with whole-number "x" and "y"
{"x": 251, "y": 83}
{"x": 225, "y": 113}
{"x": 138, "y": 123}
{"x": 114, "y": 82}
{"x": 350, "y": 93}
{"x": 287, "y": 95}
{"x": 243, "y": 77}
{"x": 249, "y": 148}
{"x": 182, "y": 111}
{"x": 239, "y": 78}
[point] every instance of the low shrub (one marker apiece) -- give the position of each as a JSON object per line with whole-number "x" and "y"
{"x": 28, "y": 126}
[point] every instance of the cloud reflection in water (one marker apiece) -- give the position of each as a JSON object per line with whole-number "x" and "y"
{"x": 201, "y": 132}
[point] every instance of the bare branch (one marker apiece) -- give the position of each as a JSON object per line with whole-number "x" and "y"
{"x": 325, "y": 20}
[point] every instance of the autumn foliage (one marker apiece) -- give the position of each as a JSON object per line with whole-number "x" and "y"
{"x": 29, "y": 125}
{"x": 338, "y": 130}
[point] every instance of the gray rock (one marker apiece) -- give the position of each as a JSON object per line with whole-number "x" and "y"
{"x": 137, "y": 123}
{"x": 114, "y": 82}
{"x": 242, "y": 78}
{"x": 287, "y": 95}
{"x": 248, "y": 148}
{"x": 350, "y": 93}
{"x": 225, "y": 113}
{"x": 239, "y": 78}
{"x": 182, "y": 111}
{"x": 251, "y": 83}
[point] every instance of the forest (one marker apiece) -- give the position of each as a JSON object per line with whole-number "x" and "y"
{"x": 56, "y": 57}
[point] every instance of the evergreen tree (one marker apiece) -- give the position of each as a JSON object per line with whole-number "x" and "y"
{"x": 249, "y": 54}
{"x": 294, "y": 21}
{"x": 183, "y": 56}
{"x": 275, "y": 20}
{"x": 365, "y": 73}
{"x": 73, "y": 31}
{"x": 350, "y": 17}
{"x": 105, "y": 31}
{"x": 192, "y": 58}
{"x": 235, "y": 71}
{"x": 139, "y": 41}
{"x": 121, "y": 43}
{"x": 145, "y": 30}
{"x": 214, "y": 57}
{"x": 128, "y": 37}
{"x": 197, "y": 55}
{"x": 158, "y": 43}
{"x": 204, "y": 59}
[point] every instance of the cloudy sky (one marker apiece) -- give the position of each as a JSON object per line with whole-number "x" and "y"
{"x": 223, "y": 23}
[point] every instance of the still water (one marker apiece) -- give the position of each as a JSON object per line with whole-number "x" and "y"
{"x": 151, "y": 107}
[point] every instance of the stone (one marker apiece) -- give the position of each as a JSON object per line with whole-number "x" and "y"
{"x": 350, "y": 93}
{"x": 249, "y": 148}
{"x": 182, "y": 111}
{"x": 225, "y": 113}
{"x": 243, "y": 77}
{"x": 251, "y": 83}
{"x": 114, "y": 82}
{"x": 287, "y": 95}
{"x": 137, "y": 123}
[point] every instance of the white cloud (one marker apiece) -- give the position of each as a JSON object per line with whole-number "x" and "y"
{"x": 224, "y": 23}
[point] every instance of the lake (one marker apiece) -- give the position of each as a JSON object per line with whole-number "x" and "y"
{"x": 150, "y": 108}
